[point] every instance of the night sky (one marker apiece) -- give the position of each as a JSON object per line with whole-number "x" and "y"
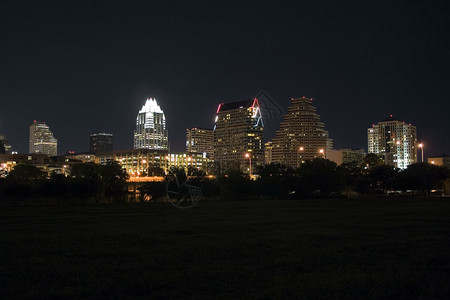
{"x": 87, "y": 66}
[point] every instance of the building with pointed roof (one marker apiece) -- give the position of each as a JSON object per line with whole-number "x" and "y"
{"x": 151, "y": 131}
{"x": 394, "y": 141}
{"x": 302, "y": 136}
{"x": 238, "y": 131}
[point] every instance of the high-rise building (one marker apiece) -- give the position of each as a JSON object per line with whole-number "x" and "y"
{"x": 238, "y": 131}
{"x": 42, "y": 140}
{"x": 151, "y": 131}
{"x": 100, "y": 142}
{"x": 394, "y": 141}
{"x": 200, "y": 140}
{"x": 302, "y": 136}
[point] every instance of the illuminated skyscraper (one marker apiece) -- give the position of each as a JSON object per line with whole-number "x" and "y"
{"x": 42, "y": 140}
{"x": 301, "y": 136}
{"x": 238, "y": 130}
{"x": 200, "y": 140}
{"x": 394, "y": 141}
{"x": 100, "y": 142}
{"x": 151, "y": 131}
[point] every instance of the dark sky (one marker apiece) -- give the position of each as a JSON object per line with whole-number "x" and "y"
{"x": 86, "y": 66}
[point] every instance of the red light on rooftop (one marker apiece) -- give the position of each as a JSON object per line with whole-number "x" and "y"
{"x": 218, "y": 108}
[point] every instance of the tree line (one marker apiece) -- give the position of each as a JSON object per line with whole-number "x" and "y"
{"x": 88, "y": 182}
{"x": 317, "y": 178}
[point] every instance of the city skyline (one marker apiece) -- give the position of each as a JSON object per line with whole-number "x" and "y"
{"x": 359, "y": 61}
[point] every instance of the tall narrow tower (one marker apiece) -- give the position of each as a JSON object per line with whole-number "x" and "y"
{"x": 42, "y": 140}
{"x": 301, "y": 136}
{"x": 151, "y": 131}
{"x": 238, "y": 136}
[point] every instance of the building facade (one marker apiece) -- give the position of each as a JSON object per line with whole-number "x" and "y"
{"x": 394, "y": 141}
{"x": 151, "y": 131}
{"x": 138, "y": 162}
{"x": 343, "y": 156}
{"x": 200, "y": 140}
{"x": 442, "y": 160}
{"x": 150, "y": 163}
{"x": 302, "y": 136}
{"x": 42, "y": 140}
{"x": 238, "y": 131}
{"x": 187, "y": 160}
{"x": 268, "y": 153}
{"x": 100, "y": 142}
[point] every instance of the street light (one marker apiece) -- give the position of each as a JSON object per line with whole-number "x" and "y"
{"x": 321, "y": 151}
{"x": 247, "y": 155}
{"x": 421, "y": 148}
{"x": 299, "y": 160}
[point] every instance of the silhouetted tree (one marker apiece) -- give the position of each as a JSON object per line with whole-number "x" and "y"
{"x": 113, "y": 179}
{"x": 385, "y": 177}
{"x": 2, "y": 148}
{"x": 423, "y": 177}
{"x": 235, "y": 185}
{"x": 371, "y": 160}
{"x": 26, "y": 172}
{"x": 275, "y": 180}
{"x": 319, "y": 176}
{"x": 351, "y": 173}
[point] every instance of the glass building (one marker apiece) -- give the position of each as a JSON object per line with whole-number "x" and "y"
{"x": 238, "y": 136}
{"x": 394, "y": 141}
{"x": 42, "y": 140}
{"x": 151, "y": 131}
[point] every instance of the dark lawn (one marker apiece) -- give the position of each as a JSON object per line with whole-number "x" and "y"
{"x": 378, "y": 248}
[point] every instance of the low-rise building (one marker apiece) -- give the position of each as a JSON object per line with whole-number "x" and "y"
{"x": 346, "y": 155}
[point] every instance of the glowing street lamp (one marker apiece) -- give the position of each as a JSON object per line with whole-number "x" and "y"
{"x": 247, "y": 155}
{"x": 322, "y": 152}
{"x": 298, "y": 153}
{"x": 421, "y": 148}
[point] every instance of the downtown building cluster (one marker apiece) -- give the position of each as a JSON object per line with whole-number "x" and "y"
{"x": 236, "y": 142}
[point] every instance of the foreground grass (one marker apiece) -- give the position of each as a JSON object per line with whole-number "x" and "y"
{"x": 379, "y": 248}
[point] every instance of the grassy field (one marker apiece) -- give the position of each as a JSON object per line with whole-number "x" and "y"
{"x": 377, "y": 249}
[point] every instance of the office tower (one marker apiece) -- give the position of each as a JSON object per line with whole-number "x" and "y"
{"x": 301, "y": 136}
{"x": 151, "y": 131}
{"x": 200, "y": 140}
{"x": 100, "y": 142}
{"x": 42, "y": 140}
{"x": 238, "y": 131}
{"x": 394, "y": 141}
{"x": 6, "y": 144}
